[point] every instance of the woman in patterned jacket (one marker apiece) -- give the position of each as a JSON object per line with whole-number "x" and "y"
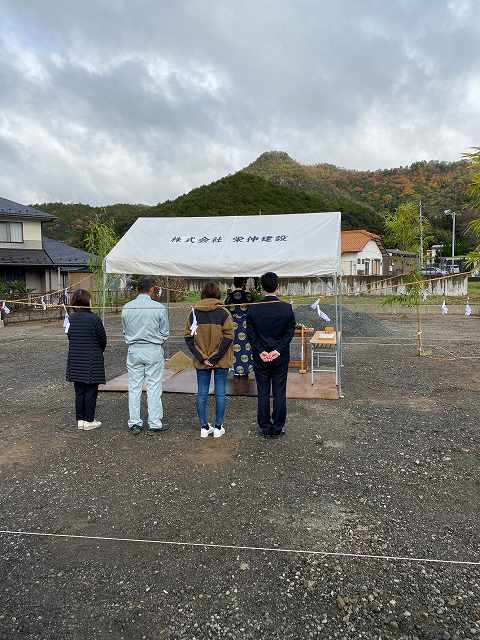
{"x": 236, "y": 301}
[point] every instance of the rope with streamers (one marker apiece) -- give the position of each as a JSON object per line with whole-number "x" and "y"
{"x": 46, "y": 305}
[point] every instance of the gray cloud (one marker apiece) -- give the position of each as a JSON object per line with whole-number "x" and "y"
{"x": 111, "y": 100}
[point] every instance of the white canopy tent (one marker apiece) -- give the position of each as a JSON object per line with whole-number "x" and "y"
{"x": 292, "y": 245}
{"x": 303, "y": 244}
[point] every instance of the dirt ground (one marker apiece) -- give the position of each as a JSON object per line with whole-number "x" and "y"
{"x": 390, "y": 470}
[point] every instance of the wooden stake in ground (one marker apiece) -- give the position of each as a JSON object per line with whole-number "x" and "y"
{"x": 419, "y": 331}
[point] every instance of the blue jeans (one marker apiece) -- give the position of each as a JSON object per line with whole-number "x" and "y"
{"x": 203, "y": 379}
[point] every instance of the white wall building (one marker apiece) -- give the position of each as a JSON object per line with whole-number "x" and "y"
{"x": 363, "y": 253}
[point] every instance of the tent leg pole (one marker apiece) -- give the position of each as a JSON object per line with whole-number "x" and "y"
{"x": 167, "y": 348}
{"x": 341, "y": 334}
{"x": 341, "y": 321}
{"x": 104, "y": 291}
{"x": 338, "y": 345}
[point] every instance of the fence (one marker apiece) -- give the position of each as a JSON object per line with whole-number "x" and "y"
{"x": 455, "y": 286}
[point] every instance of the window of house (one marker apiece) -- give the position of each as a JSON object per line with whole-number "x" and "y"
{"x": 11, "y": 232}
{"x": 12, "y": 275}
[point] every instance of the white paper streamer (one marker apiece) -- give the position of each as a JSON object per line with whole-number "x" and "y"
{"x": 321, "y": 314}
{"x": 42, "y": 302}
{"x": 66, "y": 320}
{"x": 424, "y": 294}
{"x": 194, "y": 325}
{"x": 444, "y": 308}
{"x": 65, "y": 293}
{"x": 5, "y": 309}
{"x": 468, "y": 310}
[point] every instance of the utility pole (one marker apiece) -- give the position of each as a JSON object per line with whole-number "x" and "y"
{"x": 449, "y": 212}
{"x": 453, "y": 236}
{"x": 420, "y": 219}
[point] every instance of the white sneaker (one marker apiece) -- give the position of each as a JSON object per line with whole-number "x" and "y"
{"x": 206, "y": 431}
{"x": 80, "y": 424}
{"x": 218, "y": 432}
{"x": 88, "y": 426}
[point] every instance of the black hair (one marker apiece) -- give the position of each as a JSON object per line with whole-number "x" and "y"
{"x": 145, "y": 284}
{"x": 80, "y": 298}
{"x": 239, "y": 283}
{"x": 269, "y": 282}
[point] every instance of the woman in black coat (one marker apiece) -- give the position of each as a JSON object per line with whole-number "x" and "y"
{"x": 85, "y": 365}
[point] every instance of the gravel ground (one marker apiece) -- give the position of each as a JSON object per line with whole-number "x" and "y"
{"x": 390, "y": 470}
{"x": 355, "y": 323}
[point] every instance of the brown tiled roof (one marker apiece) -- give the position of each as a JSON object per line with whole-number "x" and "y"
{"x": 355, "y": 240}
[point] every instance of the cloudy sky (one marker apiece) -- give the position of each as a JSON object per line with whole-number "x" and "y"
{"x": 107, "y": 101}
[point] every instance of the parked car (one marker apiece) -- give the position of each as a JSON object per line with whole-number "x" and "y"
{"x": 453, "y": 268}
{"x": 432, "y": 270}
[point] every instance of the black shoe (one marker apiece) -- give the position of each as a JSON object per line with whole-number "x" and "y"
{"x": 136, "y": 429}
{"x": 263, "y": 434}
{"x": 165, "y": 427}
{"x": 278, "y": 434}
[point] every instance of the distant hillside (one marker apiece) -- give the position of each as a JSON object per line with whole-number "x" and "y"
{"x": 246, "y": 194}
{"x": 240, "y": 193}
{"x": 73, "y": 219}
{"x": 275, "y": 183}
{"x": 440, "y": 185}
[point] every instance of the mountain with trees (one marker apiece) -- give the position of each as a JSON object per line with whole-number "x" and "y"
{"x": 276, "y": 183}
{"x": 239, "y": 194}
{"x": 439, "y": 185}
{"x": 246, "y": 194}
{"x": 73, "y": 219}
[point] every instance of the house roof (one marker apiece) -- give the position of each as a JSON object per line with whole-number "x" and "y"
{"x": 355, "y": 240}
{"x": 10, "y": 209}
{"x": 62, "y": 255}
{"x": 25, "y": 258}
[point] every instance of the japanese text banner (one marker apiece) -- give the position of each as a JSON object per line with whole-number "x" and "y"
{"x": 302, "y": 244}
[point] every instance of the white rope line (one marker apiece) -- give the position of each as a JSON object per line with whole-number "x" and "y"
{"x": 452, "y": 355}
{"x": 211, "y": 545}
{"x": 407, "y": 341}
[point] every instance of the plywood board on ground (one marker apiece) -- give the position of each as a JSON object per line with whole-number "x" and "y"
{"x": 299, "y": 385}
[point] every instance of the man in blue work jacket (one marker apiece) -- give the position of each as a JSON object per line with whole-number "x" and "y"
{"x": 146, "y": 329}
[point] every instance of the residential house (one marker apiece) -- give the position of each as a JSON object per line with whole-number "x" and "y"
{"x": 401, "y": 261}
{"x": 363, "y": 253}
{"x": 434, "y": 254}
{"x": 72, "y": 264}
{"x": 26, "y": 255}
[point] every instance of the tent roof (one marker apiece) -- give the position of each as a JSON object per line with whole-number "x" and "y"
{"x": 301, "y": 244}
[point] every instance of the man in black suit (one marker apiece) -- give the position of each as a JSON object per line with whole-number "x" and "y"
{"x": 270, "y": 328}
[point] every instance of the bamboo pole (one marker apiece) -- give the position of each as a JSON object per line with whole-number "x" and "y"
{"x": 419, "y": 331}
